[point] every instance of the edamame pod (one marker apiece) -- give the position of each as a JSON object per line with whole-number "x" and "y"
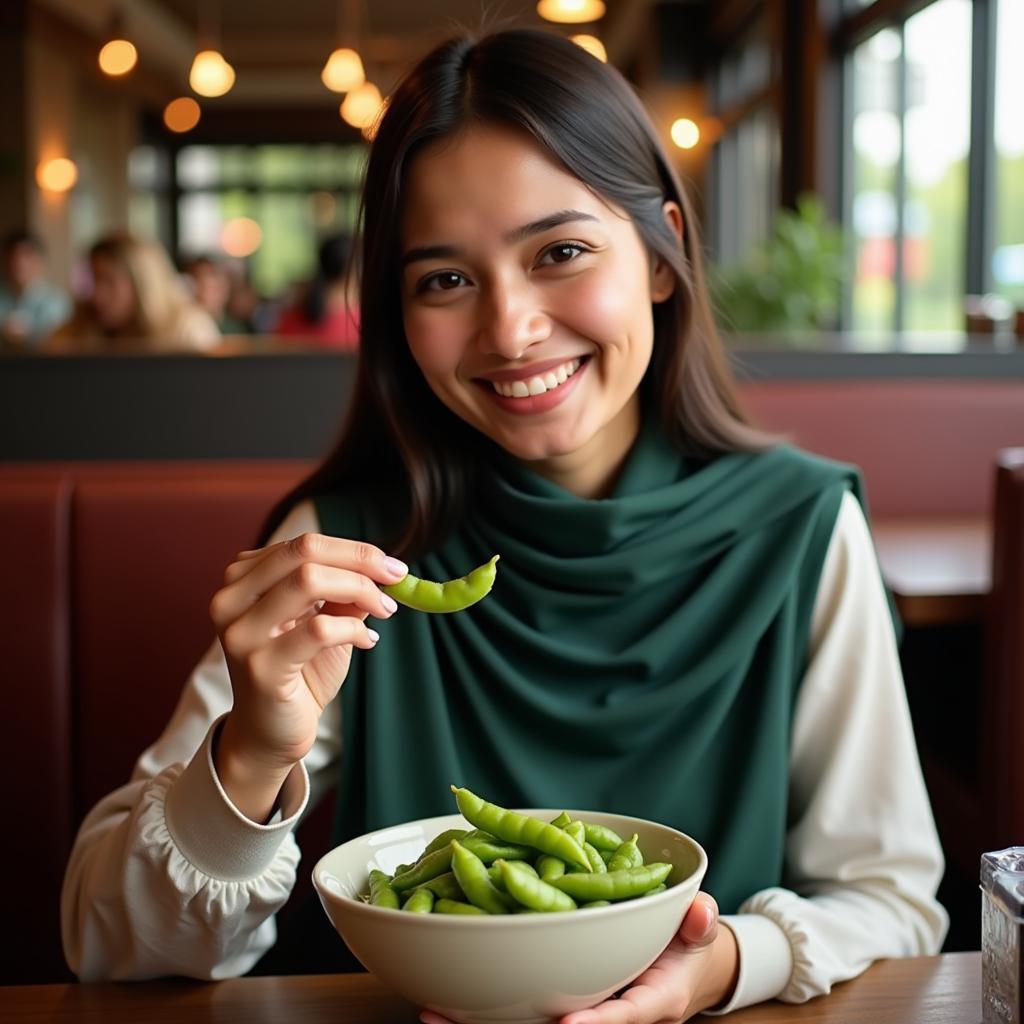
{"x": 613, "y": 885}
{"x": 601, "y": 837}
{"x": 452, "y": 596}
{"x": 550, "y": 868}
{"x": 443, "y": 841}
{"x": 381, "y": 892}
{"x": 531, "y": 892}
{"x": 429, "y": 866}
{"x": 520, "y": 828}
{"x": 445, "y": 887}
{"x": 628, "y": 855}
{"x": 457, "y": 907}
{"x": 420, "y": 902}
{"x": 471, "y": 874}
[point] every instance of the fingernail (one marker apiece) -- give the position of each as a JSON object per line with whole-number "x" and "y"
{"x": 389, "y": 603}
{"x": 373, "y": 634}
{"x": 396, "y": 567}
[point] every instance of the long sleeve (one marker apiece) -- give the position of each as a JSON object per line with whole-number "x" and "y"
{"x": 166, "y": 876}
{"x": 863, "y": 859}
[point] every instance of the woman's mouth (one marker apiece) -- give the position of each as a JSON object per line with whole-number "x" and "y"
{"x": 539, "y": 392}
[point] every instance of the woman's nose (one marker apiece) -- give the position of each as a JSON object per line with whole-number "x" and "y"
{"x": 512, "y": 321}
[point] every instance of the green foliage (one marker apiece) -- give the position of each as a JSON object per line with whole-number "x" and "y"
{"x": 791, "y": 282}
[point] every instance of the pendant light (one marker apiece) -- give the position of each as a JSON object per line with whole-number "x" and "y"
{"x": 344, "y": 71}
{"x": 117, "y": 56}
{"x": 211, "y": 75}
{"x": 571, "y": 12}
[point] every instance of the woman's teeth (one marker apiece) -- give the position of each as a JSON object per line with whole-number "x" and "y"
{"x": 537, "y": 385}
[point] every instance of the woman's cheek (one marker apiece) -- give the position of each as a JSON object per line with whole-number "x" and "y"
{"x": 436, "y": 339}
{"x": 603, "y": 307}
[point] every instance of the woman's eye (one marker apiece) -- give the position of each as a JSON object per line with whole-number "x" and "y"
{"x": 563, "y": 252}
{"x": 443, "y": 282}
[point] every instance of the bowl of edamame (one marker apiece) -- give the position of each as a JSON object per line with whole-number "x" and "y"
{"x": 511, "y": 916}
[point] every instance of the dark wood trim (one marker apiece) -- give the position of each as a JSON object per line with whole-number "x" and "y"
{"x": 729, "y": 18}
{"x": 981, "y": 188}
{"x": 853, "y": 30}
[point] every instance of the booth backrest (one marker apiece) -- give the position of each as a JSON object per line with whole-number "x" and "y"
{"x": 108, "y": 571}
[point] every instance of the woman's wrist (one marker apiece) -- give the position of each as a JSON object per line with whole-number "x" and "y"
{"x": 719, "y": 980}
{"x": 251, "y": 784}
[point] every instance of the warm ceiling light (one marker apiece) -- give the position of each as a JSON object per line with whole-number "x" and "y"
{"x": 362, "y": 105}
{"x": 182, "y": 114}
{"x": 56, "y": 175}
{"x": 211, "y": 74}
{"x": 118, "y": 57}
{"x": 343, "y": 71}
{"x": 241, "y": 237}
{"x": 685, "y": 133}
{"x": 571, "y": 12}
{"x": 592, "y": 45}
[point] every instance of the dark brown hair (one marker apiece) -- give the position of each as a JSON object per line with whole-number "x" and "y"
{"x": 586, "y": 115}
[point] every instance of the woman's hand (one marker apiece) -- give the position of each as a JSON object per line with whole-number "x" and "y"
{"x": 696, "y": 971}
{"x": 288, "y": 617}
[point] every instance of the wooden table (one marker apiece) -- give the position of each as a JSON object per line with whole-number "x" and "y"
{"x": 926, "y": 990}
{"x": 939, "y": 569}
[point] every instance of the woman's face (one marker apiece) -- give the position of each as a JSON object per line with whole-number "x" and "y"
{"x": 527, "y": 303}
{"x": 113, "y": 295}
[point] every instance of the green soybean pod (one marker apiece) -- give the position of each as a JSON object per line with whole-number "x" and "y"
{"x": 498, "y": 880}
{"x": 444, "y": 906}
{"x": 381, "y": 892}
{"x": 549, "y": 867}
{"x": 601, "y": 837}
{"x": 453, "y": 596}
{"x": 519, "y": 828}
{"x": 628, "y": 855}
{"x": 577, "y": 831}
{"x": 443, "y": 841}
{"x": 491, "y": 850}
{"x": 623, "y": 884}
{"x": 562, "y": 820}
{"x": 471, "y": 874}
{"x": 656, "y": 889}
{"x": 606, "y": 855}
{"x": 444, "y": 887}
{"x": 421, "y": 901}
{"x": 430, "y": 866}
{"x": 595, "y": 903}
{"x": 531, "y": 892}
{"x": 597, "y": 864}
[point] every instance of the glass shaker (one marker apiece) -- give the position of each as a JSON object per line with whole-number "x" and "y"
{"x": 1002, "y": 929}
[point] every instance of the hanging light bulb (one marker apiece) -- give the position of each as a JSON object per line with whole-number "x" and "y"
{"x": 361, "y": 106}
{"x": 117, "y": 58}
{"x": 593, "y": 46}
{"x": 211, "y": 75}
{"x": 56, "y": 175}
{"x": 182, "y": 114}
{"x": 685, "y": 133}
{"x": 343, "y": 71}
{"x": 571, "y": 12}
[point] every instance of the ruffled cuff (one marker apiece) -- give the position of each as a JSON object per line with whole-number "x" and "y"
{"x": 766, "y": 960}
{"x": 212, "y": 834}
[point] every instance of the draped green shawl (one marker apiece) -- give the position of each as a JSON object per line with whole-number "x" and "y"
{"x": 639, "y": 654}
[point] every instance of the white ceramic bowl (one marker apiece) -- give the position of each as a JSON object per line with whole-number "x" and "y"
{"x": 513, "y": 969}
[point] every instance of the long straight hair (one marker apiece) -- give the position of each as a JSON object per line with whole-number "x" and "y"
{"x": 398, "y": 435}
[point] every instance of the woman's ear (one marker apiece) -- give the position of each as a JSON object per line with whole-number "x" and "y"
{"x": 663, "y": 278}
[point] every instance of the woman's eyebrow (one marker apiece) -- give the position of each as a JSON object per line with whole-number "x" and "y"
{"x": 552, "y": 220}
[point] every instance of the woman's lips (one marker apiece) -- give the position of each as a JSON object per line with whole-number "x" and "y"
{"x": 534, "y": 404}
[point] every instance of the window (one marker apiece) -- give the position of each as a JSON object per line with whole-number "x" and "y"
{"x": 295, "y": 195}
{"x": 745, "y": 172}
{"x": 910, "y": 97}
{"x": 1007, "y": 267}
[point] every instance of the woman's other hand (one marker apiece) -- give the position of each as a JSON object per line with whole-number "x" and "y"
{"x": 696, "y": 971}
{"x": 288, "y": 616}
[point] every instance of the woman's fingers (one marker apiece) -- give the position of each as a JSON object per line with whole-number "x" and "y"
{"x": 246, "y": 581}
{"x": 303, "y": 643}
{"x": 293, "y": 597}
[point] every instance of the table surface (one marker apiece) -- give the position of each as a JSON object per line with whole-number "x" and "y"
{"x": 939, "y": 570}
{"x": 925, "y": 990}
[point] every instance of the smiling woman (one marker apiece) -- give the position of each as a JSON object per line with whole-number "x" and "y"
{"x": 688, "y": 627}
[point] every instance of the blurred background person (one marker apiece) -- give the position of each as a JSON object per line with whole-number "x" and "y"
{"x": 30, "y": 306}
{"x": 327, "y": 314}
{"x": 138, "y": 304}
{"x": 213, "y": 284}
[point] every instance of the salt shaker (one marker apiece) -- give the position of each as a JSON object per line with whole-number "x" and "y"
{"x": 1002, "y": 932}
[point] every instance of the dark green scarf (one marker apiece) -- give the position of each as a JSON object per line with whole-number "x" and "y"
{"x": 639, "y": 654}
